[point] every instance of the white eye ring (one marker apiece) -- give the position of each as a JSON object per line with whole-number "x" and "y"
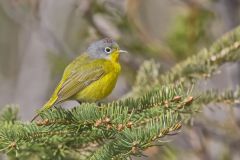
{"x": 108, "y": 50}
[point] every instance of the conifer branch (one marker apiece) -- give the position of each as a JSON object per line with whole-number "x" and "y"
{"x": 156, "y": 113}
{"x": 203, "y": 64}
{"x": 200, "y": 66}
{"x": 214, "y": 96}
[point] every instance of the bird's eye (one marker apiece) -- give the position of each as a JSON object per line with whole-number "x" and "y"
{"x": 108, "y": 50}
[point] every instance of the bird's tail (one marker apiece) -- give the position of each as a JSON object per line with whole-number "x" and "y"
{"x": 46, "y": 106}
{"x": 35, "y": 117}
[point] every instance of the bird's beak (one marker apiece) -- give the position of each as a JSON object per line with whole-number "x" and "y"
{"x": 122, "y": 51}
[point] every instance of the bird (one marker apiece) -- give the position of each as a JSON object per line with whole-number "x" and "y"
{"x": 90, "y": 77}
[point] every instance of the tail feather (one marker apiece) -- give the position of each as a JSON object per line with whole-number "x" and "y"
{"x": 47, "y": 105}
{"x": 35, "y": 117}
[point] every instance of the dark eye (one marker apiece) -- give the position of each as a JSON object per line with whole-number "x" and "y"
{"x": 108, "y": 50}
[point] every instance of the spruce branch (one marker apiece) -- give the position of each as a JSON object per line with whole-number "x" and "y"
{"x": 133, "y": 142}
{"x": 155, "y": 114}
{"x": 230, "y": 97}
{"x": 203, "y": 64}
{"x": 200, "y": 66}
{"x": 9, "y": 113}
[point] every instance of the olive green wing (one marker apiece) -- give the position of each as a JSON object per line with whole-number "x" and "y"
{"x": 77, "y": 80}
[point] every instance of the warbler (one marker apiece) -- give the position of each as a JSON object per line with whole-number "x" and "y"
{"x": 90, "y": 77}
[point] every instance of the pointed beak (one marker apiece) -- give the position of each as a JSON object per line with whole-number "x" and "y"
{"x": 122, "y": 51}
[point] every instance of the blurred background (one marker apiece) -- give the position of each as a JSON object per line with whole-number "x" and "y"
{"x": 38, "y": 38}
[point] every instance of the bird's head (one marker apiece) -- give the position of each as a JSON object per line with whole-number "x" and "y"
{"x": 105, "y": 49}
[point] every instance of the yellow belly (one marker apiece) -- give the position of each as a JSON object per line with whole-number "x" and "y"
{"x": 99, "y": 89}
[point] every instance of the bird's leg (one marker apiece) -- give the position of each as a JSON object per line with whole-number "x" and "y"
{"x": 99, "y": 104}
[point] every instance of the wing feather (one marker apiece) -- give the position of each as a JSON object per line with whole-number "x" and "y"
{"x": 78, "y": 80}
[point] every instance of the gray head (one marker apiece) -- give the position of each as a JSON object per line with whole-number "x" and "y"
{"x": 103, "y": 49}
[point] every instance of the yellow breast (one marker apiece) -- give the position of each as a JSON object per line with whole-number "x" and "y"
{"x": 102, "y": 87}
